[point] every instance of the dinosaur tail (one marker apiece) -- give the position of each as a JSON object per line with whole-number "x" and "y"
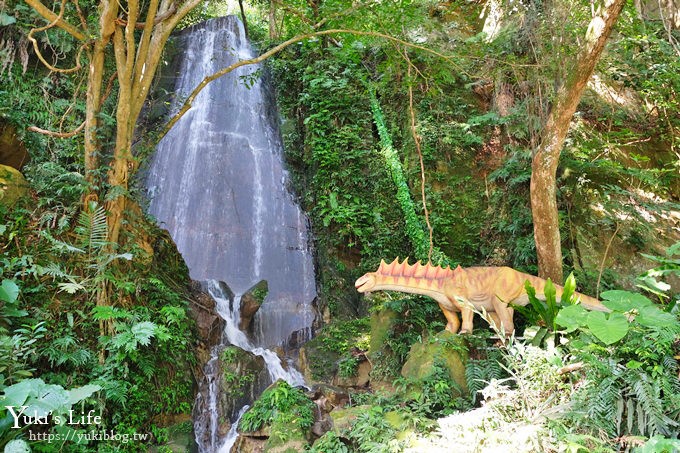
{"x": 588, "y": 302}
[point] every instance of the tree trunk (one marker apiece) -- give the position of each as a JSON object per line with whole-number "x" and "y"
{"x": 137, "y": 58}
{"x": 109, "y": 11}
{"x": 546, "y": 156}
{"x": 243, "y": 18}
{"x": 273, "y": 34}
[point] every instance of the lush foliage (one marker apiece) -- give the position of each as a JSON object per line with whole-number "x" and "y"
{"x": 286, "y": 409}
{"x": 478, "y": 106}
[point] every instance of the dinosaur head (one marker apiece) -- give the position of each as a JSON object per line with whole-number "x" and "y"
{"x": 400, "y": 276}
{"x": 366, "y": 282}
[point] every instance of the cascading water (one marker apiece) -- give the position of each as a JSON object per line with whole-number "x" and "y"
{"x": 217, "y": 182}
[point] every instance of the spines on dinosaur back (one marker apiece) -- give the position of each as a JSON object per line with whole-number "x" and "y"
{"x": 414, "y": 275}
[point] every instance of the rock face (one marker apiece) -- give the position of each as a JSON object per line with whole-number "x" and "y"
{"x": 381, "y": 323}
{"x": 251, "y": 301}
{"x": 203, "y": 310}
{"x": 445, "y": 348}
{"x": 241, "y": 376}
{"x": 12, "y": 152}
{"x": 236, "y": 376}
{"x": 285, "y": 434}
{"x": 13, "y": 185}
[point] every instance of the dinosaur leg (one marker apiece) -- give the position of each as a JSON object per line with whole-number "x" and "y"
{"x": 505, "y": 314}
{"x": 467, "y": 316}
{"x": 453, "y": 322}
{"x": 495, "y": 320}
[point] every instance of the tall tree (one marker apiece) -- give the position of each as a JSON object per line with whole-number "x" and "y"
{"x": 546, "y": 156}
{"x": 139, "y": 33}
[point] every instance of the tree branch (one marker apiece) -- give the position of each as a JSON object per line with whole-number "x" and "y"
{"x": 73, "y": 133}
{"x": 273, "y": 51}
{"x": 50, "y": 16}
{"x": 36, "y": 48}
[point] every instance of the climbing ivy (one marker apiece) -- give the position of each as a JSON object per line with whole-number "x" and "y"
{"x": 414, "y": 226}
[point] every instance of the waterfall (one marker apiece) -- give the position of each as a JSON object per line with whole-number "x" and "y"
{"x": 217, "y": 183}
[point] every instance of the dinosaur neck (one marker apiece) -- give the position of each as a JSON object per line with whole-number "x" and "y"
{"x": 426, "y": 280}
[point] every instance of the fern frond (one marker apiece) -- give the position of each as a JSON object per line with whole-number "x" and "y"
{"x": 114, "y": 389}
{"x": 652, "y": 419}
{"x": 53, "y": 270}
{"x": 92, "y": 230}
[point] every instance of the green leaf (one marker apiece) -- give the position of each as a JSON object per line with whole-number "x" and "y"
{"x": 653, "y": 316}
{"x": 654, "y": 286}
{"x": 658, "y": 444}
{"x": 607, "y": 330}
{"x": 572, "y": 317}
{"x": 71, "y": 287}
{"x": 40, "y": 397}
{"x": 17, "y": 445}
{"x": 549, "y": 290}
{"x": 78, "y": 394}
{"x": 568, "y": 290}
{"x": 143, "y": 332}
{"x": 9, "y": 312}
{"x": 6, "y": 19}
{"x": 333, "y": 200}
{"x": 623, "y": 301}
{"x": 9, "y": 291}
{"x": 106, "y": 312}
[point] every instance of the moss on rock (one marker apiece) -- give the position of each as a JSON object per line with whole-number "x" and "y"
{"x": 446, "y": 348}
{"x": 13, "y": 185}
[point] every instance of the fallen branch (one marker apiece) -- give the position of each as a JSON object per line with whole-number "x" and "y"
{"x": 570, "y": 368}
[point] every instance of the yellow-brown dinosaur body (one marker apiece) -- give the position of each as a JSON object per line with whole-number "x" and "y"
{"x": 455, "y": 290}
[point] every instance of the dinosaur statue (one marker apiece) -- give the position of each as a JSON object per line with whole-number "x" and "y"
{"x": 458, "y": 290}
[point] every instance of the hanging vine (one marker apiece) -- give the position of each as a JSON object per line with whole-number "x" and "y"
{"x": 414, "y": 228}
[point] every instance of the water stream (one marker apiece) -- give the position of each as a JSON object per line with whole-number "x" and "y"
{"x": 217, "y": 183}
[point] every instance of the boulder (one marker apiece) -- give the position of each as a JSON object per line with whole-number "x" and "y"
{"x": 316, "y": 362}
{"x": 251, "y": 301}
{"x": 238, "y": 376}
{"x": 13, "y": 185}
{"x": 381, "y": 324}
{"x": 445, "y": 347}
{"x": 247, "y": 444}
{"x": 344, "y": 418}
{"x": 360, "y": 379}
{"x": 298, "y": 338}
{"x": 180, "y": 431}
{"x": 241, "y": 376}
{"x": 328, "y": 397}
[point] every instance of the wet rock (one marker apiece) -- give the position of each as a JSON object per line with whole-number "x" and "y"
{"x": 13, "y": 185}
{"x": 237, "y": 376}
{"x": 241, "y": 376}
{"x": 317, "y": 363}
{"x": 202, "y": 309}
{"x": 298, "y": 338}
{"x": 251, "y": 301}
